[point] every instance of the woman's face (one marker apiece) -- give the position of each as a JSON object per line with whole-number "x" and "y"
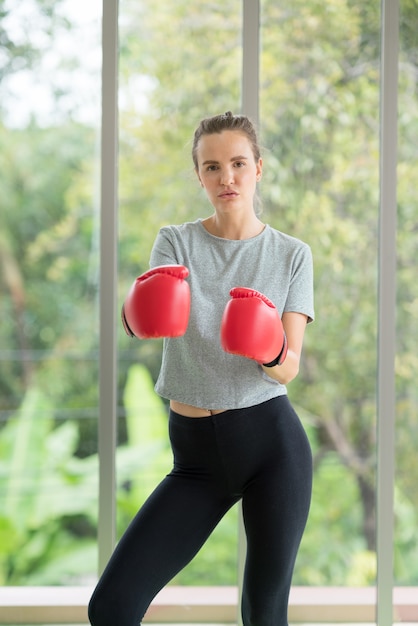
{"x": 228, "y": 171}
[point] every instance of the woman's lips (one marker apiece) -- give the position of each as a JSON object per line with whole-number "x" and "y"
{"x": 228, "y": 194}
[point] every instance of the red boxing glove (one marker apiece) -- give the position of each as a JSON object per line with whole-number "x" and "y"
{"x": 158, "y": 303}
{"x": 251, "y": 327}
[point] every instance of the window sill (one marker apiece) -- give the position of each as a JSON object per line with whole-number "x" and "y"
{"x": 218, "y": 605}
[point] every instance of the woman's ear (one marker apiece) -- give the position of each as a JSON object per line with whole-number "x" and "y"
{"x": 259, "y": 169}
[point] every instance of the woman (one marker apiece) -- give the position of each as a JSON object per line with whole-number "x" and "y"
{"x": 233, "y": 431}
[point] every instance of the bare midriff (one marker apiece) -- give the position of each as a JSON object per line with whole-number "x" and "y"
{"x": 192, "y": 411}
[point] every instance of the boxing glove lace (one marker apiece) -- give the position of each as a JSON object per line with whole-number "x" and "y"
{"x": 251, "y": 327}
{"x": 158, "y": 303}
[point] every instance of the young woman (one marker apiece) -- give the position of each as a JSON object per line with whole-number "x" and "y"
{"x": 243, "y": 295}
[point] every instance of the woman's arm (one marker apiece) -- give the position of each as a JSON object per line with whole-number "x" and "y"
{"x": 294, "y": 325}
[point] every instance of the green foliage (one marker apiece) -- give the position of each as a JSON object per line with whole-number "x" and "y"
{"x": 45, "y": 490}
{"x": 49, "y": 260}
{"x": 217, "y": 562}
{"x": 319, "y": 127}
{"x": 333, "y": 534}
{"x": 147, "y": 438}
{"x": 19, "y": 52}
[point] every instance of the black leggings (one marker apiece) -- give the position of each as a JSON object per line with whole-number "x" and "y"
{"x": 258, "y": 454}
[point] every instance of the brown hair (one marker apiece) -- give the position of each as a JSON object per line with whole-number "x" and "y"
{"x": 226, "y": 121}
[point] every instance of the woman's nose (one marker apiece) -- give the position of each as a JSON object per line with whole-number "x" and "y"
{"x": 227, "y": 176}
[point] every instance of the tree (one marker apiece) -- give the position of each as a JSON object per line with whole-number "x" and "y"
{"x": 52, "y": 294}
{"x": 319, "y": 125}
{"x": 19, "y": 51}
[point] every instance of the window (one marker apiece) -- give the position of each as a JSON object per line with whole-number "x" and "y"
{"x": 50, "y": 113}
{"x": 319, "y": 94}
{"x": 176, "y": 64}
{"x": 319, "y": 100}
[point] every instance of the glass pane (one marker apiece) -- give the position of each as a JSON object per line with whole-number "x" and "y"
{"x": 319, "y": 106}
{"x": 49, "y": 113}
{"x": 406, "y": 497}
{"x": 180, "y": 62}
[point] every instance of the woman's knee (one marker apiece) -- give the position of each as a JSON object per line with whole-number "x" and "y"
{"x": 272, "y": 611}
{"x": 101, "y": 610}
{"x": 94, "y": 612}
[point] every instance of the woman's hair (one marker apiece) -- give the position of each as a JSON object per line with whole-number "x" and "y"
{"x": 226, "y": 121}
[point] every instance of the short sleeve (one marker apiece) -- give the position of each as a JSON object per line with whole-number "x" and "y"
{"x": 163, "y": 251}
{"x": 300, "y": 297}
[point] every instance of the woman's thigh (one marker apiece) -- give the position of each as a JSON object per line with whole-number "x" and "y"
{"x": 164, "y": 536}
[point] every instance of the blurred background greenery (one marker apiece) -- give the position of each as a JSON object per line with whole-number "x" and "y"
{"x": 319, "y": 127}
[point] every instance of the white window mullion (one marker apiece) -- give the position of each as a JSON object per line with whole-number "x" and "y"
{"x": 250, "y": 97}
{"x": 387, "y": 311}
{"x": 108, "y": 284}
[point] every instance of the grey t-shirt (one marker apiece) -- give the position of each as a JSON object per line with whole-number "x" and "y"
{"x": 195, "y": 369}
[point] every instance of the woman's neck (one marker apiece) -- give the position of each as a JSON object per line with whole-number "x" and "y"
{"x": 233, "y": 228}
